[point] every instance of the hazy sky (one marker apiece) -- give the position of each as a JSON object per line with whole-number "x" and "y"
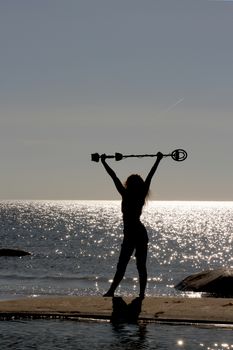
{"x": 128, "y": 76}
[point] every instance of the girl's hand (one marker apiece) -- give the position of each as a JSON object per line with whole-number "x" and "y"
{"x": 159, "y": 156}
{"x": 103, "y": 157}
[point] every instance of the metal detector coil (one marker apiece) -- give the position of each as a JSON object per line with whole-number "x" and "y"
{"x": 179, "y": 155}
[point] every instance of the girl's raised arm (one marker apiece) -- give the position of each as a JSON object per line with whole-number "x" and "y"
{"x": 120, "y": 188}
{"x": 152, "y": 171}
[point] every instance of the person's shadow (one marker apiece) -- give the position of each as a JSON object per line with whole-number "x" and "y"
{"x": 125, "y": 313}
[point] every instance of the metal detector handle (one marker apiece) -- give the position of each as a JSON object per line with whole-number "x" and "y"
{"x": 118, "y": 156}
{"x": 95, "y": 157}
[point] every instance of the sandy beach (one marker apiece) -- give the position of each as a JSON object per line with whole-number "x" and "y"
{"x": 152, "y": 309}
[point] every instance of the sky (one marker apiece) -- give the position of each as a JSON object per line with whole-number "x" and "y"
{"x": 129, "y": 76}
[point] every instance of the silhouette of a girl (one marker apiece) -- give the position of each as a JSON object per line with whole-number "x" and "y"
{"x": 134, "y": 194}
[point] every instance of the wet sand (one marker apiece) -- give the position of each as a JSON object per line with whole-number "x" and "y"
{"x": 152, "y": 309}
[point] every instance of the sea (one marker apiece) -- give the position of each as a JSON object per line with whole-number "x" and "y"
{"x": 74, "y": 248}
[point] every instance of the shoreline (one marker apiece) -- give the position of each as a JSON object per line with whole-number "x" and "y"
{"x": 170, "y": 310}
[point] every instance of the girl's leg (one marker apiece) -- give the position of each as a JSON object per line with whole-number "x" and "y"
{"x": 141, "y": 257}
{"x": 125, "y": 254}
{"x": 142, "y": 282}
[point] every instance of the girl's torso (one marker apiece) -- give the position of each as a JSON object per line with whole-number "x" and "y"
{"x": 132, "y": 209}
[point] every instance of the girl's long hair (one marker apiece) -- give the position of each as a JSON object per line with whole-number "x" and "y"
{"x": 135, "y": 185}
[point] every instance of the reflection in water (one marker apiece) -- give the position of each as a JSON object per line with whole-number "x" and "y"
{"x": 130, "y": 336}
{"x": 123, "y": 312}
{"x": 73, "y": 335}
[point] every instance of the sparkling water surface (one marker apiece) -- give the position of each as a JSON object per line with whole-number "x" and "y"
{"x": 43, "y": 334}
{"x": 75, "y": 247}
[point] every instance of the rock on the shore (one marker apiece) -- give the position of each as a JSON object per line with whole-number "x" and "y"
{"x": 218, "y": 282}
{"x": 13, "y": 252}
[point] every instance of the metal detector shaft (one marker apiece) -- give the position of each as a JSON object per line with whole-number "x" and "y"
{"x": 143, "y": 155}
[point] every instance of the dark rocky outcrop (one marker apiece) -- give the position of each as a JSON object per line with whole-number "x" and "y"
{"x": 217, "y": 282}
{"x": 13, "y": 252}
